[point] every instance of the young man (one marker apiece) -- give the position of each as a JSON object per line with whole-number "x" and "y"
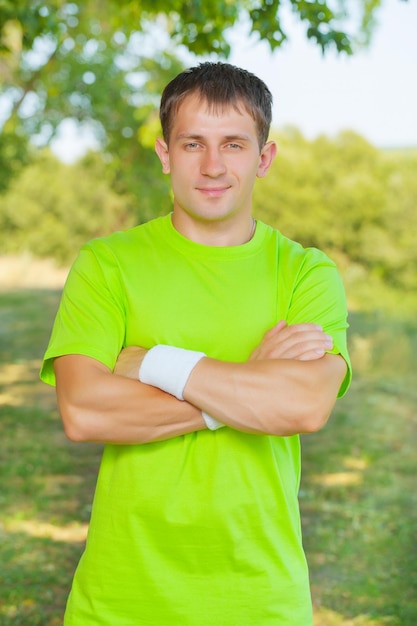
{"x": 197, "y": 347}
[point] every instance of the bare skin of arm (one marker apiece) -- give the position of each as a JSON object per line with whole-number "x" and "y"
{"x": 279, "y": 391}
{"x": 97, "y": 405}
{"x": 275, "y": 396}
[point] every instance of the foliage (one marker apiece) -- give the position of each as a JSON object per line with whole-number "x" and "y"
{"x": 104, "y": 64}
{"x": 14, "y": 155}
{"x": 80, "y": 61}
{"x": 350, "y": 199}
{"x": 198, "y": 25}
{"x": 339, "y": 194}
{"x": 52, "y": 209}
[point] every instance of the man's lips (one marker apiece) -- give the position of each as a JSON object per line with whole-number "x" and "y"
{"x": 213, "y": 192}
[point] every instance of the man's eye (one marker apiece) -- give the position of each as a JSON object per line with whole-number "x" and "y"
{"x": 234, "y": 146}
{"x": 193, "y": 145}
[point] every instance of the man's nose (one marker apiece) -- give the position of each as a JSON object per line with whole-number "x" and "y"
{"x": 212, "y": 163}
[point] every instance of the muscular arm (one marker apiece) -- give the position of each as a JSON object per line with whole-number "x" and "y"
{"x": 287, "y": 386}
{"x": 97, "y": 405}
{"x": 277, "y": 396}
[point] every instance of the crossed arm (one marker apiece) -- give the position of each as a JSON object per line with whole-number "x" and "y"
{"x": 288, "y": 386}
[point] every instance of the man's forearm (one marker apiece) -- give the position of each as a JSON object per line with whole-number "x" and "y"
{"x": 289, "y": 385}
{"x": 97, "y": 405}
{"x": 278, "y": 396}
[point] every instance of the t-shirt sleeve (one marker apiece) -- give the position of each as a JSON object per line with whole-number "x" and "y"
{"x": 91, "y": 316}
{"x": 319, "y": 297}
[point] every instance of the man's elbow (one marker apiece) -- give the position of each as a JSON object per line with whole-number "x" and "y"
{"x": 309, "y": 417}
{"x": 314, "y": 421}
{"x": 74, "y": 423}
{"x": 321, "y": 395}
{"x": 310, "y": 401}
{"x": 74, "y": 433}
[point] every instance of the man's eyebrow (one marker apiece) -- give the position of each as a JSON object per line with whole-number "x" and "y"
{"x": 189, "y": 136}
{"x": 238, "y": 137}
{"x": 197, "y": 137}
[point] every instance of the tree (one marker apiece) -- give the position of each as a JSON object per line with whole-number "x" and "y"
{"x": 198, "y": 25}
{"x": 350, "y": 199}
{"x": 14, "y": 154}
{"x": 86, "y": 68}
{"x": 52, "y": 209}
{"x": 103, "y": 64}
{"x": 327, "y": 193}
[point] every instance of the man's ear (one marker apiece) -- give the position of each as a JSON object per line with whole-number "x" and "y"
{"x": 268, "y": 154}
{"x": 161, "y": 150}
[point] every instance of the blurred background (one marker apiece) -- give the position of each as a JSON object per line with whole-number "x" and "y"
{"x": 80, "y": 86}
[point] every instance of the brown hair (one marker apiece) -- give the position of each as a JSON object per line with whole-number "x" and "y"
{"x": 220, "y": 85}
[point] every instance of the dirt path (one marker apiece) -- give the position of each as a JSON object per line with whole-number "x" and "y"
{"x": 26, "y": 272}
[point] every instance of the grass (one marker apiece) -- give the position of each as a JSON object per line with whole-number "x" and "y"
{"x": 358, "y": 499}
{"x": 46, "y": 482}
{"x": 357, "y": 496}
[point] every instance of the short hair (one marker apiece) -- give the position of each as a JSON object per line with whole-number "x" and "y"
{"x": 221, "y": 85}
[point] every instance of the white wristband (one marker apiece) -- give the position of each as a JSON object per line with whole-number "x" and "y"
{"x": 168, "y": 368}
{"x": 211, "y": 422}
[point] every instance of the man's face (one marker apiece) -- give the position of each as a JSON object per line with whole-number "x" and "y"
{"x": 213, "y": 158}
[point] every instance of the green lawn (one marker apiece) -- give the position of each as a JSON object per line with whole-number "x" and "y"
{"x": 357, "y": 497}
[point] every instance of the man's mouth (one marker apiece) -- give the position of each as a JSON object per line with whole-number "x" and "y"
{"x": 213, "y": 192}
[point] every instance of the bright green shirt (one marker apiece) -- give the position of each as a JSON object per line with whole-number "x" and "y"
{"x": 202, "y": 529}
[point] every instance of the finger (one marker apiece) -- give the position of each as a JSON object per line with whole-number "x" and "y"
{"x": 312, "y": 355}
{"x": 305, "y": 327}
{"x": 296, "y": 346}
{"x": 276, "y": 329}
{"x": 294, "y": 335}
{"x": 283, "y": 341}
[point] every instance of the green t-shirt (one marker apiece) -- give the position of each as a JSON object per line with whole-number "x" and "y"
{"x": 201, "y": 529}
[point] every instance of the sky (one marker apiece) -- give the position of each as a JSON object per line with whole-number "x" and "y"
{"x": 373, "y": 92}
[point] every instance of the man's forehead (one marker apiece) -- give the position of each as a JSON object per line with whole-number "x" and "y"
{"x": 218, "y": 108}
{"x": 197, "y": 118}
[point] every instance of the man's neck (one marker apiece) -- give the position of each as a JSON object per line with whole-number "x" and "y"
{"x": 216, "y": 233}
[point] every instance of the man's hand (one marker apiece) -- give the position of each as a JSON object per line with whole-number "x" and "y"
{"x": 129, "y": 361}
{"x": 302, "y": 342}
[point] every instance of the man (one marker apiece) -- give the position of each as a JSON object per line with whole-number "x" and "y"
{"x": 197, "y": 347}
